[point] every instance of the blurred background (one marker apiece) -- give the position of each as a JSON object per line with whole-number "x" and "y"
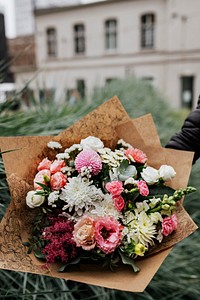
{"x": 61, "y": 59}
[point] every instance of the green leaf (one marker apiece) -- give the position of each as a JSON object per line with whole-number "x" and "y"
{"x": 123, "y": 166}
{"x": 128, "y": 261}
{"x": 160, "y": 190}
{"x": 66, "y": 266}
{"x": 30, "y": 250}
{"x": 39, "y": 254}
{"x": 45, "y": 188}
{"x": 26, "y": 244}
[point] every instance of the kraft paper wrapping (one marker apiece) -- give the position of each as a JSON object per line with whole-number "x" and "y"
{"x": 108, "y": 122}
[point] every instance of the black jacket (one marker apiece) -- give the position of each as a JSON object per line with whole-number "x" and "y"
{"x": 189, "y": 137}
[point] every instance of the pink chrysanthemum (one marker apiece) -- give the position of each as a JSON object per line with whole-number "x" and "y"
{"x": 88, "y": 158}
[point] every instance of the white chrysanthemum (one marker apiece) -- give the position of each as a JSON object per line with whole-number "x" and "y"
{"x": 141, "y": 229}
{"x": 105, "y": 208}
{"x": 61, "y": 156}
{"x": 54, "y": 145}
{"x": 52, "y": 198}
{"x": 80, "y": 195}
{"x": 73, "y": 148}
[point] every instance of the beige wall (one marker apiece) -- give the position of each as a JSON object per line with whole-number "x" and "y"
{"x": 176, "y": 53}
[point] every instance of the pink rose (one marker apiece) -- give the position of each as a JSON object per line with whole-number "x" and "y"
{"x": 57, "y": 165}
{"x": 108, "y": 234}
{"x": 58, "y": 181}
{"x": 43, "y": 177}
{"x": 169, "y": 224}
{"x": 143, "y": 188}
{"x": 136, "y": 155}
{"x": 118, "y": 202}
{"x": 115, "y": 187}
{"x": 44, "y": 164}
{"x": 83, "y": 233}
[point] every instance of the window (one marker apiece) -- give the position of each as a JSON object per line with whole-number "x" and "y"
{"x": 148, "y": 79}
{"x": 111, "y": 34}
{"x": 147, "y": 31}
{"x": 79, "y": 39}
{"x": 46, "y": 95}
{"x": 80, "y": 84}
{"x": 110, "y": 80}
{"x": 187, "y": 86}
{"x": 51, "y": 42}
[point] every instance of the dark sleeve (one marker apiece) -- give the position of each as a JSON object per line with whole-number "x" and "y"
{"x": 189, "y": 137}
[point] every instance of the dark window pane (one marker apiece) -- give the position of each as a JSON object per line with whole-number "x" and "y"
{"x": 51, "y": 42}
{"x": 187, "y": 91}
{"x": 111, "y": 34}
{"x": 147, "y": 30}
{"x": 81, "y": 87}
{"x": 79, "y": 39}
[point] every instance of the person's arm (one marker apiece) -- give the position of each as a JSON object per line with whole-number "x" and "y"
{"x": 189, "y": 137}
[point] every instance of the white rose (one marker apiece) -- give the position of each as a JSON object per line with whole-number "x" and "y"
{"x": 92, "y": 143}
{"x": 150, "y": 175}
{"x": 166, "y": 172}
{"x": 33, "y": 200}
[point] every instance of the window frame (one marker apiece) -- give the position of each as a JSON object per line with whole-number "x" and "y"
{"x": 111, "y": 34}
{"x": 147, "y": 30}
{"x": 79, "y": 39}
{"x": 51, "y": 41}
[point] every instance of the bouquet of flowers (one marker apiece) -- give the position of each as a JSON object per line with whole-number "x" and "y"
{"x": 87, "y": 197}
{"x": 100, "y": 204}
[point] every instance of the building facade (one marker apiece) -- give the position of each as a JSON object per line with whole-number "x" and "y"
{"x": 86, "y": 45}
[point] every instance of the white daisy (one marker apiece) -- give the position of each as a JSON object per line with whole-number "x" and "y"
{"x": 61, "y": 156}
{"x": 124, "y": 144}
{"x": 54, "y": 145}
{"x": 73, "y": 148}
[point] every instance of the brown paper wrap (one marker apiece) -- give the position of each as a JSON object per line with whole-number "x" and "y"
{"x": 108, "y": 122}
